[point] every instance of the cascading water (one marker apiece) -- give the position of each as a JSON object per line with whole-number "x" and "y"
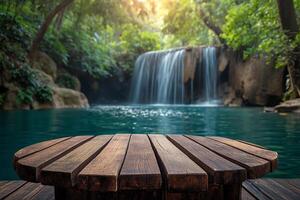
{"x": 209, "y": 76}
{"x": 158, "y": 78}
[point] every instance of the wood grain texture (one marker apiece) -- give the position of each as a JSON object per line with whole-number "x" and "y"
{"x": 140, "y": 170}
{"x": 180, "y": 172}
{"x": 101, "y": 174}
{"x": 220, "y": 170}
{"x": 256, "y": 167}
{"x": 274, "y": 190}
{"x": 254, "y": 150}
{"x": 10, "y": 187}
{"x": 2, "y": 183}
{"x": 63, "y": 171}
{"x": 29, "y": 168}
{"x": 247, "y": 196}
{"x": 27, "y": 191}
{"x": 36, "y": 147}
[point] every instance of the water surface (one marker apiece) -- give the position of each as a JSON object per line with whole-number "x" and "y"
{"x": 280, "y": 133}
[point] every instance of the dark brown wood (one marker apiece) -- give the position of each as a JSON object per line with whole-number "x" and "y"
{"x": 2, "y": 183}
{"x": 37, "y": 147}
{"x": 46, "y": 193}
{"x": 274, "y": 190}
{"x": 256, "y": 151}
{"x": 256, "y": 167}
{"x": 232, "y": 191}
{"x": 140, "y": 170}
{"x": 10, "y": 187}
{"x": 63, "y": 171}
{"x": 180, "y": 172}
{"x": 220, "y": 170}
{"x": 101, "y": 174}
{"x": 290, "y": 184}
{"x": 29, "y": 168}
{"x": 27, "y": 191}
{"x": 247, "y": 196}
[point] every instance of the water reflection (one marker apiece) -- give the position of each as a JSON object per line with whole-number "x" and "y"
{"x": 280, "y": 133}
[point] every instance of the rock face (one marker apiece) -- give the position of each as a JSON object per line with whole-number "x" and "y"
{"x": 289, "y": 106}
{"x": 46, "y": 72}
{"x": 251, "y": 82}
{"x": 45, "y": 63}
{"x": 64, "y": 98}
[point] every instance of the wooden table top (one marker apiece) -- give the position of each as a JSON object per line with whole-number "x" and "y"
{"x": 109, "y": 163}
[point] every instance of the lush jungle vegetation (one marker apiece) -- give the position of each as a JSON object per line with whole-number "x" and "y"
{"x": 103, "y": 37}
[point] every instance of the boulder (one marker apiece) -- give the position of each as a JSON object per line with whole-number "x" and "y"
{"x": 43, "y": 62}
{"x": 66, "y": 80}
{"x": 67, "y": 98}
{"x": 64, "y": 98}
{"x": 289, "y": 106}
{"x": 44, "y": 78}
{"x": 256, "y": 82}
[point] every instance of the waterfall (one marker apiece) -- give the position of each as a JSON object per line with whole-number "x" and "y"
{"x": 210, "y": 75}
{"x": 159, "y": 78}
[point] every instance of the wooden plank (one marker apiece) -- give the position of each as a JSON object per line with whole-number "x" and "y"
{"x": 63, "y": 171}
{"x": 2, "y": 183}
{"x": 275, "y": 190}
{"x": 27, "y": 191}
{"x": 256, "y": 145}
{"x": 101, "y": 174}
{"x": 220, "y": 170}
{"x": 180, "y": 172}
{"x": 37, "y": 147}
{"x": 256, "y": 167}
{"x": 256, "y": 151}
{"x": 29, "y": 168}
{"x": 46, "y": 193}
{"x": 10, "y": 187}
{"x": 247, "y": 196}
{"x": 293, "y": 182}
{"x": 289, "y": 184}
{"x": 140, "y": 170}
{"x": 254, "y": 191}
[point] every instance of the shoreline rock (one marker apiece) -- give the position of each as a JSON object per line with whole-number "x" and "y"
{"x": 290, "y": 106}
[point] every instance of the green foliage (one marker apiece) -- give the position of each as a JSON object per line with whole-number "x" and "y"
{"x": 30, "y": 86}
{"x": 254, "y": 27}
{"x": 2, "y": 99}
{"x": 66, "y": 81}
{"x": 43, "y": 94}
{"x": 184, "y": 26}
{"x": 135, "y": 42}
{"x": 25, "y": 96}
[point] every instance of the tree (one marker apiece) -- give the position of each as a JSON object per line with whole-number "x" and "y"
{"x": 45, "y": 25}
{"x": 291, "y": 29}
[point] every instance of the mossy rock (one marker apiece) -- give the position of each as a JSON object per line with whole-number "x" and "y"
{"x": 43, "y": 62}
{"x": 66, "y": 80}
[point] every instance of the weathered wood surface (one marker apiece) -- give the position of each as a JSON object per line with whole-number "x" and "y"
{"x": 101, "y": 174}
{"x": 28, "y": 168}
{"x": 274, "y": 189}
{"x": 37, "y": 147}
{"x": 252, "y": 190}
{"x": 181, "y": 173}
{"x": 256, "y": 167}
{"x": 220, "y": 170}
{"x": 140, "y": 169}
{"x": 170, "y": 167}
{"x": 63, "y": 171}
{"x": 254, "y": 150}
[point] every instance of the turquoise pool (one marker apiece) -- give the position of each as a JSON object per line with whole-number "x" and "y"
{"x": 280, "y": 133}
